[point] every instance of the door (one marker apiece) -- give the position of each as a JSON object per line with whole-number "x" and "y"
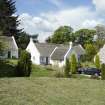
{"x": 9, "y": 54}
{"x": 47, "y": 61}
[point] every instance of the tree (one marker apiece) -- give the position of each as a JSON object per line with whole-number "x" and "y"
{"x": 97, "y": 61}
{"x": 8, "y": 22}
{"x": 91, "y": 51}
{"x": 24, "y": 65}
{"x": 103, "y": 71}
{"x": 73, "y": 64}
{"x": 67, "y": 68}
{"x": 84, "y": 36}
{"x": 100, "y": 31}
{"x": 62, "y": 35}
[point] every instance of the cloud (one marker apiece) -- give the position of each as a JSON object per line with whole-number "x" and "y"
{"x": 58, "y": 3}
{"x": 46, "y": 23}
{"x": 91, "y": 23}
{"x": 99, "y": 5}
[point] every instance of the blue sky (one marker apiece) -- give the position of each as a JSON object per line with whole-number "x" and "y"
{"x": 44, "y": 16}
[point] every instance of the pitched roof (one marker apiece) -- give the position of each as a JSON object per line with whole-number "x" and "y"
{"x": 7, "y": 41}
{"x": 45, "y": 49}
{"x": 60, "y": 53}
{"x": 78, "y": 50}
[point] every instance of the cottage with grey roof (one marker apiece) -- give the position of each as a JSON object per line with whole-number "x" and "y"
{"x": 53, "y": 54}
{"x": 10, "y": 47}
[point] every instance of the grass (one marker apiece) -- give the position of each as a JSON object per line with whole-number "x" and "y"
{"x": 7, "y": 69}
{"x": 51, "y": 91}
{"x": 41, "y": 71}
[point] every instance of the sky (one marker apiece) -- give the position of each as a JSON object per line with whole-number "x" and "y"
{"x": 43, "y": 17}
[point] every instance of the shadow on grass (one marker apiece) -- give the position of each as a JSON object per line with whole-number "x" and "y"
{"x": 7, "y": 69}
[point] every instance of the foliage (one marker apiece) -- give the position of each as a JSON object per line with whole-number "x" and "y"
{"x": 59, "y": 74}
{"x": 99, "y": 44}
{"x": 67, "y": 68}
{"x": 100, "y": 31}
{"x": 62, "y": 35}
{"x": 84, "y": 36}
{"x": 24, "y": 64}
{"x": 103, "y": 71}
{"x": 91, "y": 51}
{"x": 97, "y": 61}
{"x": 73, "y": 64}
{"x": 8, "y": 22}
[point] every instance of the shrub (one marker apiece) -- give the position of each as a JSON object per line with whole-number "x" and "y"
{"x": 67, "y": 68}
{"x": 59, "y": 74}
{"x": 97, "y": 62}
{"x": 103, "y": 71}
{"x": 73, "y": 64}
{"x": 91, "y": 51}
{"x": 24, "y": 64}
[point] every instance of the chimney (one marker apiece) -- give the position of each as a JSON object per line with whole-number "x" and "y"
{"x": 71, "y": 44}
{"x": 31, "y": 40}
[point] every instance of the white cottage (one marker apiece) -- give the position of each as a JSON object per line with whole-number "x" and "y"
{"x": 54, "y": 54}
{"x": 101, "y": 54}
{"x": 11, "y": 48}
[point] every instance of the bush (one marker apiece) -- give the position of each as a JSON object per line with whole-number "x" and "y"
{"x": 91, "y": 51}
{"x": 67, "y": 68}
{"x": 103, "y": 71}
{"x": 97, "y": 62}
{"x": 24, "y": 64}
{"x": 59, "y": 74}
{"x": 73, "y": 64}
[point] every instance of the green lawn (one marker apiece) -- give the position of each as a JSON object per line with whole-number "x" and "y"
{"x": 51, "y": 91}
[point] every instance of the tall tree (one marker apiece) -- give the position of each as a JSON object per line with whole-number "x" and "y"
{"x": 62, "y": 35}
{"x": 73, "y": 64}
{"x": 8, "y": 22}
{"x": 100, "y": 31}
{"x": 24, "y": 38}
{"x": 67, "y": 68}
{"x": 84, "y": 36}
{"x": 91, "y": 51}
{"x": 97, "y": 62}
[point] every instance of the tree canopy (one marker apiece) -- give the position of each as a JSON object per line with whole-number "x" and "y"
{"x": 8, "y": 22}
{"x": 62, "y": 35}
{"x": 84, "y": 36}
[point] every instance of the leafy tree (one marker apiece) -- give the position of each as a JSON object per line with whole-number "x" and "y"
{"x": 73, "y": 64}
{"x": 103, "y": 71}
{"x": 24, "y": 64}
{"x": 97, "y": 61}
{"x": 91, "y": 51}
{"x": 8, "y": 22}
{"x": 84, "y": 36}
{"x": 100, "y": 31}
{"x": 67, "y": 68}
{"x": 62, "y": 35}
{"x": 99, "y": 44}
{"x": 24, "y": 38}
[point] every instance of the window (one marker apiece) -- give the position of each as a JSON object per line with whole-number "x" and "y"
{"x": 33, "y": 57}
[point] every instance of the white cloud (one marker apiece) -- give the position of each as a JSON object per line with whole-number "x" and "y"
{"x": 91, "y": 23}
{"x": 100, "y": 5}
{"x": 46, "y": 23}
{"x": 56, "y": 2}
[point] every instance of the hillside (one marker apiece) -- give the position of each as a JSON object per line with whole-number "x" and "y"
{"x": 51, "y": 91}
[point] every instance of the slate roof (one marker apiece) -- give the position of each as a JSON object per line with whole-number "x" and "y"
{"x": 45, "y": 49}
{"x": 60, "y": 53}
{"x": 7, "y": 41}
{"x": 78, "y": 50}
